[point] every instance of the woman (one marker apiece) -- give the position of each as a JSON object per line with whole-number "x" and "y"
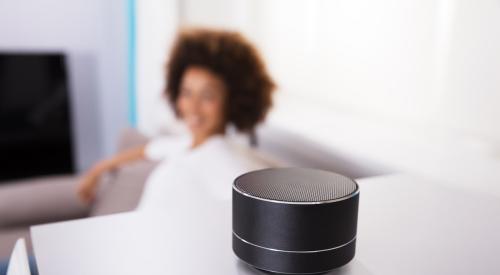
{"x": 214, "y": 79}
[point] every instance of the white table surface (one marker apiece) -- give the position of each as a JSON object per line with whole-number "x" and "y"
{"x": 407, "y": 225}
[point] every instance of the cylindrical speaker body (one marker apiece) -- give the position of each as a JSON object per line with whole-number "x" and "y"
{"x": 295, "y": 220}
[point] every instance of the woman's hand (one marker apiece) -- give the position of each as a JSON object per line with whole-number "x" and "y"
{"x": 88, "y": 185}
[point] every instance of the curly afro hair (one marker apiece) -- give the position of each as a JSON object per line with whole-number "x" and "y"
{"x": 230, "y": 56}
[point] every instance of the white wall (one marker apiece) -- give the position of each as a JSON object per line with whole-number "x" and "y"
{"x": 113, "y": 78}
{"x": 93, "y": 35}
{"x": 235, "y": 14}
{"x": 157, "y": 23}
{"x": 425, "y": 62}
{"x": 370, "y": 57}
{"x": 471, "y": 95}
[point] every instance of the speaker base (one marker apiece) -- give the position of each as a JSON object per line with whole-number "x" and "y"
{"x": 282, "y": 262}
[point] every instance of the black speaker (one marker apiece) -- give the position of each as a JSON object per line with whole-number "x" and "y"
{"x": 295, "y": 220}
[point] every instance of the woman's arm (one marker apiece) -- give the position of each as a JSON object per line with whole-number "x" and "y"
{"x": 88, "y": 185}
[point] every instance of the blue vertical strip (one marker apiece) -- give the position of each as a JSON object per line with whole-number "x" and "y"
{"x": 132, "y": 108}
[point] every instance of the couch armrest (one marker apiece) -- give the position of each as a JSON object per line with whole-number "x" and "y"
{"x": 41, "y": 200}
{"x": 130, "y": 138}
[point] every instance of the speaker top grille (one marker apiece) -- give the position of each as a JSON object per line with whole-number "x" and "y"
{"x": 299, "y": 185}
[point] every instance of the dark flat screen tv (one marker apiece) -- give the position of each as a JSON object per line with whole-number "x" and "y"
{"x": 35, "y": 117}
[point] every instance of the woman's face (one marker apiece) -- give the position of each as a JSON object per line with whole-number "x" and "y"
{"x": 201, "y": 102}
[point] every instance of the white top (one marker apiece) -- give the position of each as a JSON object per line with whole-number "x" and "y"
{"x": 211, "y": 167}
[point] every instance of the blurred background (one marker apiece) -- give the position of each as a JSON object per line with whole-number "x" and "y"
{"x": 365, "y": 87}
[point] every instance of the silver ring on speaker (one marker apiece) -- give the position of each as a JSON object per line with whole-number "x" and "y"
{"x": 294, "y": 251}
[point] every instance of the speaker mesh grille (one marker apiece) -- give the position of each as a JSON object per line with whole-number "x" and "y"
{"x": 295, "y": 185}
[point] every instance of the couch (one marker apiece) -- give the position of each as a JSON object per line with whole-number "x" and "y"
{"x": 53, "y": 198}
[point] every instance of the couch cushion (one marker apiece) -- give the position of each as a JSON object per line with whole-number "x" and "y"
{"x": 124, "y": 189}
{"x": 40, "y": 200}
{"x": 130, "y": 138}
